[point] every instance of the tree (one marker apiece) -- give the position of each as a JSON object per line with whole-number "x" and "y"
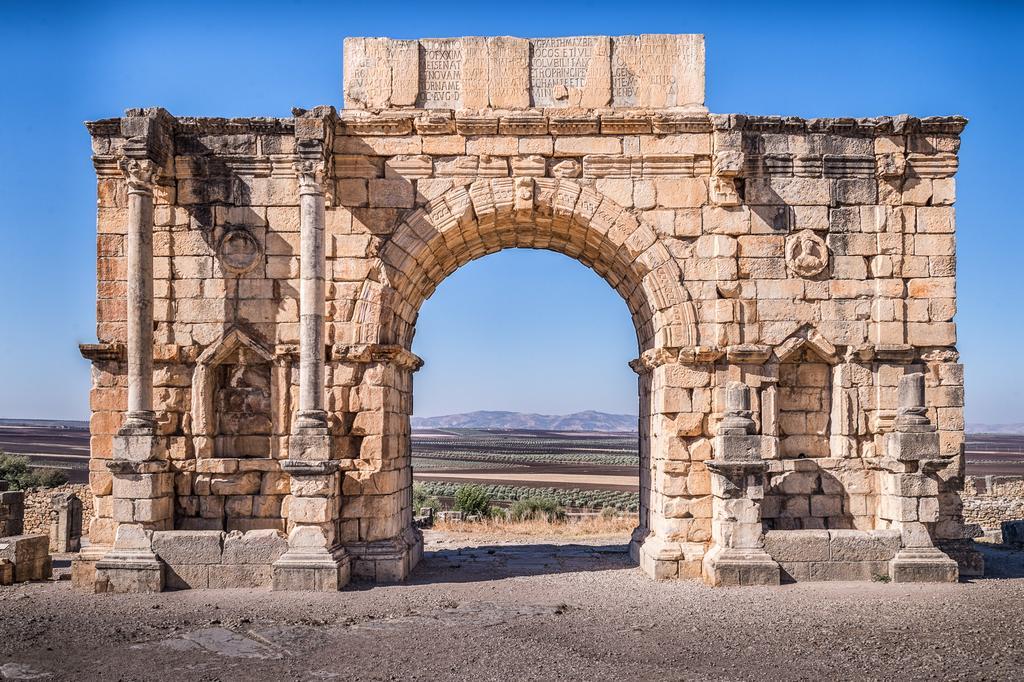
{"x": 16, "y": 471}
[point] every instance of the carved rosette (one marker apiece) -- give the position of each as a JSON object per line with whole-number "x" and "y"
{"x": 141, "y": 174}
{"x": 238, "y": 250}
{"x": 806, "y": 253}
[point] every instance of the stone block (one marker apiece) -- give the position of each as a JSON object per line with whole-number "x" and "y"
{"x": 795, "y": 571}
{"x": 730, "y": 448}
{"x": 897, "y": 508}
{"x": 181, "y": 547}
{"x": 247, "y": 483}
{"x": 846, "y": 570}
{"x": 797, "y": 545}
{"x": 254, "y": 547}
{"x": 6, "y": 572}
{"x": 923, "y": 566}
{"x": 24, "y": 548}
{"x": 1013, "y": 533}
{"x": 187, "y": 576}
{"x": 855, "y": 545}
{"x": 313, "y": 578}
{"x": 130, "y": 578}
{"x": 143, "y": 486}
{"x": 826, "y": 505}
{"x": 907, "y": 447}
{"x": 241, "y": 576}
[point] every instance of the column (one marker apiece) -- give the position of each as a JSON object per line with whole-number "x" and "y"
{"x": 312, "y": 298}
{"x": 737, "y": 555}
{"x": 314, "y": 560}
{"x": 140, "y": 175}
{"x": 910, "y": 488}
{"x": 143, "y": 484}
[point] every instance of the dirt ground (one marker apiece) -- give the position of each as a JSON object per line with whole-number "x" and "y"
{"x": 532, "y": 610}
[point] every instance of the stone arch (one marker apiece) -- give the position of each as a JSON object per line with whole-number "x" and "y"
{"x": 468, "y": 222}
{"x": 557, "y": 214}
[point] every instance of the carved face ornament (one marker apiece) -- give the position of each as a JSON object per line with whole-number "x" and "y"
{"x": 806, "y": 254}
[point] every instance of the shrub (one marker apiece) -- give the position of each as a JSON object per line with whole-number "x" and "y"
{"x": 472, "y": 499}
{"x": 16, "y": 471}
{"x": 421, "y": 498}
{"x": 499, "y": 513}
{"x": 536, "y": 508}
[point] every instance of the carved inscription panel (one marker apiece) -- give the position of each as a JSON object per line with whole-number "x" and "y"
{"x": 441, "y": 64}
{"x": 569, "y": 71}
{"x": 652, "y": 71}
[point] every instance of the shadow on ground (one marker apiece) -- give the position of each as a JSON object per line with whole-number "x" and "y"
{"x": 471, "y": 563}
{"x": 1001, "y": 561}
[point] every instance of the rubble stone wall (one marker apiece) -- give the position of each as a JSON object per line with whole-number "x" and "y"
{"x": 990, "y": 500}
{"x": 38, "y": 506}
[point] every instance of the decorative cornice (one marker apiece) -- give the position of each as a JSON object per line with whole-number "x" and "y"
{"x": 622, "y": 122}
{"x": 99, "y": 352}
{"x": 366, "y": 353}
{"x": 556, "y": 121}
{"x": 756, "y": 354}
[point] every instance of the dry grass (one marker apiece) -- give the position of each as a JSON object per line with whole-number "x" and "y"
{"x": 591, "y": 526}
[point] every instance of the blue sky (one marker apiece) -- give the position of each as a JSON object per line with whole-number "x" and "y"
{"x": 517, "y": 330}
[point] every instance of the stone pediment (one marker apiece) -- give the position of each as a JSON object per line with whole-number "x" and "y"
{"x": 653, "y": 71}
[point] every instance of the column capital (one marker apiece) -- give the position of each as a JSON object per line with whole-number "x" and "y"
{"x": 311, "y": 175}
{"x": 141, "y": 174}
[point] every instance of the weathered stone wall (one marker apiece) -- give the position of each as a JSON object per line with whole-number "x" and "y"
{"x": 811, "y": 260}
{"x": 990, "y": 500}
{"x": 38, "y": 506}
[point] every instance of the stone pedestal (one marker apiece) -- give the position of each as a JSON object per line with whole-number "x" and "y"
{"x": 314, "y": 561}
{"x": 132, "y": 565}
{"x": 738, "y": 556}
{"x": 923, "y": 565}
{"x": 910, "y": 490}
{"x": 311, "y": 563}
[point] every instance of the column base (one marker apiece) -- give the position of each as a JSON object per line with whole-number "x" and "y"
{"x": 658, "y": 558}
{"x": 313, "y": 571}
{"x": 129, "y": 572}
{"x": 83, "y": 567}
{"x": 386, "y": 561}
{"x": 731, "y": 567}
{"x": 923, "y": 565}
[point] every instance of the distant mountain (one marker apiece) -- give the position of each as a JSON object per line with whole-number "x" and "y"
{"x": 578, "y": 421}
{"x": 1016, "y": 429}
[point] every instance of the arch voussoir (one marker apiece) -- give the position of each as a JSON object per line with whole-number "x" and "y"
{"x": 490, "y": 214}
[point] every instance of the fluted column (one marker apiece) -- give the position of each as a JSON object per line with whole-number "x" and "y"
{"x": 312, "y": 298}
{"x": 141, "y": 175}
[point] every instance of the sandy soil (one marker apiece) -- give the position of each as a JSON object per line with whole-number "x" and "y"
{"x": 529, "y": 611}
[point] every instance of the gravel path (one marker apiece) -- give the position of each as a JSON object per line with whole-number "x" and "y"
{"x": 538, "y": 611}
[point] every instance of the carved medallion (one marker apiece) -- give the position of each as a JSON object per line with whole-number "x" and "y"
{"x": 238, "y": 250}
{"x": 806, "y": 253}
